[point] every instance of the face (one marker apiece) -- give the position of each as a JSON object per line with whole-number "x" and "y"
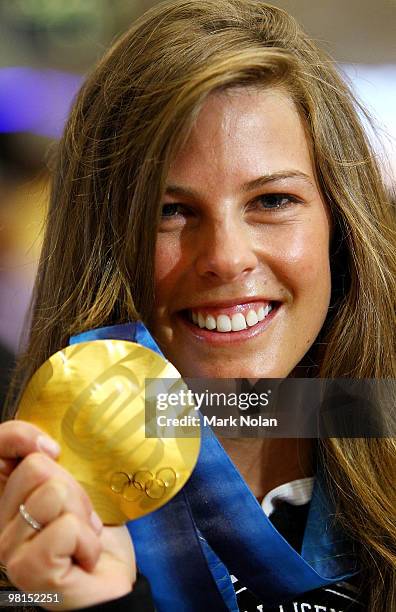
{"x": 242, "y": 273}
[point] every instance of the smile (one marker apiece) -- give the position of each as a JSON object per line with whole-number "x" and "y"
{"x": 248, "y": 315}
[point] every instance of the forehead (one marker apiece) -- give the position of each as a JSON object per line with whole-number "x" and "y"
{"x": 248, "y": 131}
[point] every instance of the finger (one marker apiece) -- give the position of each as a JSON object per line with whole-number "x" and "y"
{"x": 18, "y": 439}
{"x": 32, "y": 472}
{"x": 6, "y": 467}
{"x": 45, "y": 504}
{"x": 44, "y": 562}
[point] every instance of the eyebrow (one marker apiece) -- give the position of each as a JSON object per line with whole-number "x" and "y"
{"x": 261, "y": 181}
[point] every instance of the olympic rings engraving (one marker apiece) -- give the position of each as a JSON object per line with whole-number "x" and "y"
{"x": 151, "y": 485}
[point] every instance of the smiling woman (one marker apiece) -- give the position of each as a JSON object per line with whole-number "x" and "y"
{"x": 214, "y": 182}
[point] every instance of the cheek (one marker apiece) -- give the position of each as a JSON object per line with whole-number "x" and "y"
{"x": 304, "y": 261}
{"x": 163, "y": 257}
{"x": 169, "y": 268}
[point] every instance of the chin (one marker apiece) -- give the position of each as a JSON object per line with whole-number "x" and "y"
{"x": 238, "y": 370}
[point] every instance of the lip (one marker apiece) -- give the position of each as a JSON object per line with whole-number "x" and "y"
{"x": 228, "y": 338}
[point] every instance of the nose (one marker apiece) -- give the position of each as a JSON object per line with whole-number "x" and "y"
{"x": 225, "y": 251}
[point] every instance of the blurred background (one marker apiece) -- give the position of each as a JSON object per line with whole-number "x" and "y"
{"x": 46, "y": 47}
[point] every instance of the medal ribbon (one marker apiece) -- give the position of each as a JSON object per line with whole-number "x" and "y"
{"x": 215, "y": 525}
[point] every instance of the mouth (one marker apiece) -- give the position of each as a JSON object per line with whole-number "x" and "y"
{"x": 229, "y": 324}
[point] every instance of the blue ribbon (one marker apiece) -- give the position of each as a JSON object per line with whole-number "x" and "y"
{"x": 215, "y": 525}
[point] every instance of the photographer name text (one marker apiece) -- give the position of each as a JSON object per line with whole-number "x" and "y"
{"x": 243, "y": 420}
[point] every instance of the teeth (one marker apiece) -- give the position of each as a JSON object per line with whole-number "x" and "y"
{"x": 238, "y": 322}
{"x": 251, "y": 318}
{"x": 223, "y": 323}
{"x": 261, "y": 313}
{"x": 210, "y": 322}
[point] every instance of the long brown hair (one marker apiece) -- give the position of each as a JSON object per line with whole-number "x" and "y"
{"x": 129, "y": 120}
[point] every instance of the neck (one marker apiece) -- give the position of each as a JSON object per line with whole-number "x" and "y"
{"x": 270, "y": 462}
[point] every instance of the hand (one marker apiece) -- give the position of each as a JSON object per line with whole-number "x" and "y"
{"x": 73, "y": 554}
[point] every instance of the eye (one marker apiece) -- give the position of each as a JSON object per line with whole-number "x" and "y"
{"x": 170, "y": 211}
{"x": 276, "y": 201}
{"x": 175, "y": 217}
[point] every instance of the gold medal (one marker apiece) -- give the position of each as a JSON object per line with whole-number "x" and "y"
{"x": 93, "y": 398}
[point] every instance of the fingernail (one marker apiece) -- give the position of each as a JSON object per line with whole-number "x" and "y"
{"x": 96, "y": 522}
{"x": 4, "y": 468}
{"x": 48, "y": 445}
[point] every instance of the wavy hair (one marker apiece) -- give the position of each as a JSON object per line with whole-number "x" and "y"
{"x": 131, "y": 116}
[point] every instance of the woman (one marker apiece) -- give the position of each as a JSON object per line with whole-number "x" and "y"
{"x": 213, "y": 165}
